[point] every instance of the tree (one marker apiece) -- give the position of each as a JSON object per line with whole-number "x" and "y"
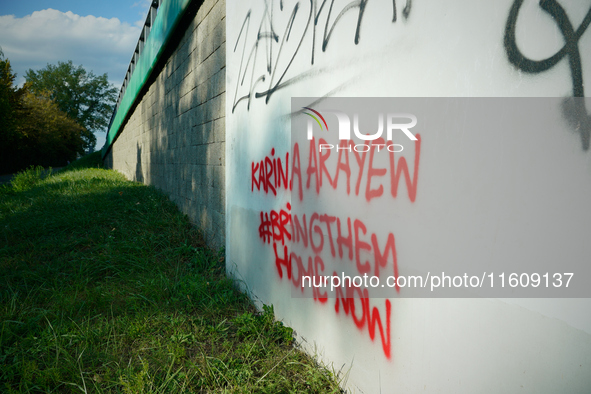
{"x": 10, "y": 105}
{"x": 83, "y": 96}
{"x": 48, "y": 137}
{"x": 33, "y": 131}
{"x": 9, "y": 96}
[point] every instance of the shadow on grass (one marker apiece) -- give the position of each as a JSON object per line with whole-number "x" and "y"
{"x": 78, "y": 231}
{"x": 106, "y": 287}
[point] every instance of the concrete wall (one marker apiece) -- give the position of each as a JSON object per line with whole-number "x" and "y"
{"x": 475, "y": 197}
{"x": 518, "y": 195}
{"x": 174, "y": 139}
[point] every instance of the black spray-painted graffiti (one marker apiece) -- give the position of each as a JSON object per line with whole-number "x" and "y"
{"x": 405, "y": 10}
{"x": 274, "y": 76}
{"x": 573, "y": 108}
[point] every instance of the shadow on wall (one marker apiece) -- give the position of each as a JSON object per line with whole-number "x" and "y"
{"x": 174, "y": 138}
{"x": 139, "y": 176}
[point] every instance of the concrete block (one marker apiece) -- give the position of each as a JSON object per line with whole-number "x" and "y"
{"x": 215, "y": 199}
{"x": 218, "y": 35}
{"x": 196, "y": 176}
{"x": 209, "y": 177}
{"x": 183, "y": 143}
{"x": 219, "y": 57}
{"x": 216, "y": 84}
{"x": 217, "y": 12}
{"x": 202, "y": 134}
{"x": 197, "y": 115}
{"x": 201, "y": 154}
{"x": 183, "y": 189}
{"x": 172, "y": 141}
{"x": 220, "y": 85}
{"x": 205, "y": 48}
{"x": 179, "y": 126}
{"x": 207, "y": 25}
{"x": 219, "y": 129}
{"x": 218, "y": 230}
{"x": 184, "y": 104}
{"x": 175, "y": 107}
{"x": 192, "y": 26}
{"x": 218, "y": 106}
{"x": 204, "y": 10}
{"x": 219, "y": 176}
{"x": 187, "y": 84}
{"x": 216, "y": 154}
{"x": 185, "y": 121}
{"x": 200, "y": 92}
{"x": 183, "y": 51}
{"x": 194, "y": 55}
{"x": 195, "y": 136}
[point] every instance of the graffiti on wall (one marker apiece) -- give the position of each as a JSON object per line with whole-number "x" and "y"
{"x": 299, "y": 240}
{"x": 573, "y": 108}
{"x": 272, "y": 173}
{"x": 267, "y": 49}
{"x": 268, "y": 46}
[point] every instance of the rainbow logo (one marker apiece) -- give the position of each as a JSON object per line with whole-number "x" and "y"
{"x": 315, "y": 118}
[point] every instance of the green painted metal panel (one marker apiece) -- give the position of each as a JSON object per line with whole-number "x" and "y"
{"x": 168, "y": 16}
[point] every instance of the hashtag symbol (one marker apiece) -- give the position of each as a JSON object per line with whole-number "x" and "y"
{"x": 265, "y": 229}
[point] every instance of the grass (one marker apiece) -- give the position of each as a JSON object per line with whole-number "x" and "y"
{"x": 105, "y": 287}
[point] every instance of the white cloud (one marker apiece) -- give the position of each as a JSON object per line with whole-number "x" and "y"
{"x": 48, "y": 36}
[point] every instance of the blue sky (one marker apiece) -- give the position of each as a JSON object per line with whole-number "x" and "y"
{"x": 100, "y": 35}
{"x": 125, "y": 10}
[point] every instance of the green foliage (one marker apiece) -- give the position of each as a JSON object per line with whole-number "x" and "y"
{"x": 6, "y": 93}
{"x": 106, "y": 287}
{"x": 253, "y": 325}
{"x": 33, "y": 130}
{"x": 83, "y": 96}
{"x": 92, "y": 160}
{"x": 10, "y": 107}
{"x": 26, "y": 179}
{"x": 48, "y": 136}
